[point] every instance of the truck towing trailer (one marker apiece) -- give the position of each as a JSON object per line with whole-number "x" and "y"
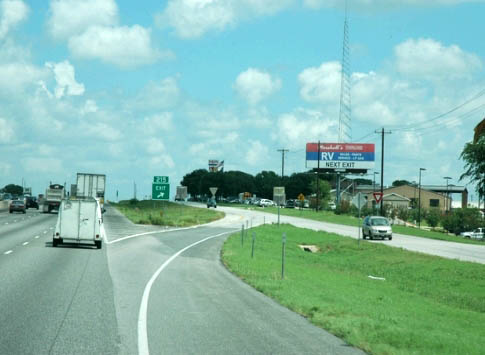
{"x": 79, "y": 221}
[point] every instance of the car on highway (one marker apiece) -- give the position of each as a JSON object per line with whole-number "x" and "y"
{"x": 376, "y": 227}
{"x": 211, "y": 202}
{"x": 264, "y": 202}
{"x": 17, "y": 206}
{"x": 31, "y": 202}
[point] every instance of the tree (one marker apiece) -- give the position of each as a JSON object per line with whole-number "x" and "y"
{"x": 324, "y": 192}
{"x": 13, "y": 189}
{"x": 193, "y": 181}
{"x": 473, "y": 155}
{"x": 264, "y": 183}
{"x": 397, "y": 183}
{"x": 299, "y": 183}
{"x": 462, "y": 220}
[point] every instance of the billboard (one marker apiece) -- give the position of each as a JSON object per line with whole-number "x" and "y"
{"x": 216, "y": 165}
{"x": 340, "y": 157}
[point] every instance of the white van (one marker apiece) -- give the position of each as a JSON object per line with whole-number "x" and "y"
{"x": 79, "y": 221}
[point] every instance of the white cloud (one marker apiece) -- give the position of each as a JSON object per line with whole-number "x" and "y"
{"x": 72, "y": 17}
{"x": 193, "y": 18}
{"x": 6, "y": 131}
{"x": 12, "y": 12}
{"x": 101, "y": 130}
{"x": 381, "y": 4}
{"x": 257, "y": 153}
{"x": 65, "y": 79}
{"x": 155, "y": 146}
{"x": 157, "y": 95}
{"x": 157, "y": 123}
{"x": 160, "y": 156}
{"x": 427, "y": 58}
{"x": 255, "y": 85}
{"x": 5, "y": 169}
{"x": 321, "y": 84}
{"x": 16, "y": 76}
{"x": 42, "y": 165}
{"x": 90, "y": 106}
{"x": 123, "y": 46}
{"x": 301, "y": 126}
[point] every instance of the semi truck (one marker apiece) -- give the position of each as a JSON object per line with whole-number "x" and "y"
{"x": 91, "y": 186}
{"x": 79, "y": 221}
{"x": 52, "y": 198}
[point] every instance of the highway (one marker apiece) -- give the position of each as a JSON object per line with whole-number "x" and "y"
{"x": 153, "y": 290}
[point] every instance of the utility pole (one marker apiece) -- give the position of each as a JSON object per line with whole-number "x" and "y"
{"x": 419, "y": 198}
{"x": 447, "y": 194}
{"x": 382, "y": 132}
{"x": 283, "y": 151}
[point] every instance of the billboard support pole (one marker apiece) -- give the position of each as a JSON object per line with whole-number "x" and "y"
{"x": 382, "y": 132}
{"x": 318, "y": 179}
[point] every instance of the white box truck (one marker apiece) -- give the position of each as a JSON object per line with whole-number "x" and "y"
{"x": 79, "y": 221}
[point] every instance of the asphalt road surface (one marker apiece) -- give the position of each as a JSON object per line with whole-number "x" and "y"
{"x": 154, "y": 290}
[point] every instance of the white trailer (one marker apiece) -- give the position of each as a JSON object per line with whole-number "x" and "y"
{"x": 79, "y": 221}
{"x": 90, "y": 185}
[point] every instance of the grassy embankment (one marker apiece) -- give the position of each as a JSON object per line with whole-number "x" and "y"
{"x": 425, "y": 305}
{"x": 331, "y": 217}
{"x": 166, "y": 213}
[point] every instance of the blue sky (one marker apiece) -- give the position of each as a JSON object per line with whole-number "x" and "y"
{"x": 133, "y": 91}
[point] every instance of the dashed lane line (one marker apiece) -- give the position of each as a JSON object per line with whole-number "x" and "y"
{"x": 8, "y": 252}
{"x": 25, "y": 243}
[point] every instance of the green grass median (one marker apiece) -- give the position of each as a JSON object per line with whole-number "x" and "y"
{"x": 331, "y": 217}
{"x": 424, "y": 305}
{"x": 166, "y": 213}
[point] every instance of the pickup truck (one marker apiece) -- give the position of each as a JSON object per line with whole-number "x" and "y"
{"x": 476, "y": 234}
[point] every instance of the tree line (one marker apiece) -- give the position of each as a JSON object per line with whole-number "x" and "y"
{"x": 232, "y": 183}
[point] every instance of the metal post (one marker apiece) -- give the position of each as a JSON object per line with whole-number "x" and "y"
{"x": 283, "y": 256}
{"x": 318, "y": 179}
{"x": 252, "y": 245}
{"x": 278, "y": 214}
{"x": 242, "y": 235}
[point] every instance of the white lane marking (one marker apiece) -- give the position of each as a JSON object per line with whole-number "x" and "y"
{"x": 8, "y": 252}
{"x": 45, "y": 232}
{"x": 36, "y": 237}
{"x": 25, "y": 243}
{"x": 105, "y": 236}
{"x": 142, "y": 315}
{"x": 6, "y": 223}
{"x": 51, "y": 228}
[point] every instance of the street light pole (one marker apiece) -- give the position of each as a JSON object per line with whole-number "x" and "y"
{"x": 447, "y": 193}
{"x": 419, "y": 198}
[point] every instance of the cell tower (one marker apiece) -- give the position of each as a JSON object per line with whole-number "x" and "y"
{"x": 345, "y": 117}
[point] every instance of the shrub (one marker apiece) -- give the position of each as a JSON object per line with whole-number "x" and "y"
{"x": 462, "y": 220}
{"x": 343, "y": 208}
{"x": 433, "y": 217}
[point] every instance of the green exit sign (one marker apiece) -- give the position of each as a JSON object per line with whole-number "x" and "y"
{"x": 160, "y": 179}
{"x": 160, "y": 191}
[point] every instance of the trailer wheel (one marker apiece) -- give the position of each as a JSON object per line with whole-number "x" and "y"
{"x": 54, "y": 242}
{"x": 98, "y": 244}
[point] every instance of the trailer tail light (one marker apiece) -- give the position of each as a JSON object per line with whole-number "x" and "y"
{"x": 97, "y": 236}
{"x": 57, "y": 234}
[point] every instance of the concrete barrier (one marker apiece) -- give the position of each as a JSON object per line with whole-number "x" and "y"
{"x": 4, "y": 205}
